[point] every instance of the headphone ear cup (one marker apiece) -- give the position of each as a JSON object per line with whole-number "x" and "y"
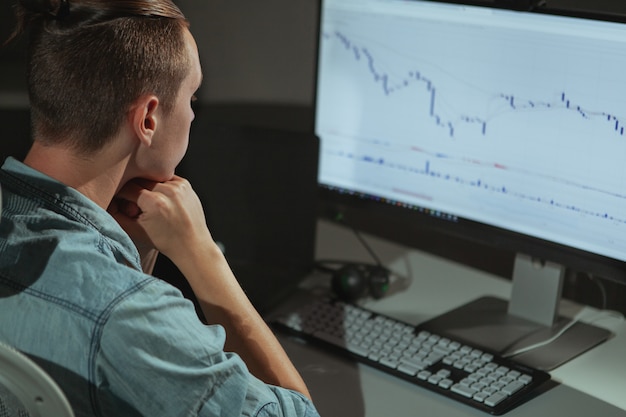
{"x": 378, "y": 281}
{"x": 349, "y": 282}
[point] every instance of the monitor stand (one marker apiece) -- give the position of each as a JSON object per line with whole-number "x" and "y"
{"x": 530, "y": 317}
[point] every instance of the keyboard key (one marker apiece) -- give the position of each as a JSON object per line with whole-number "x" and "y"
{"x": 391, "y": 363}
{"x": 445, "y": 373}
{"x": 435, "y": 379}
{"x": 463, "y": 390}
{"x": 495, "y": 399}
{"x": 408, "y": 369}
{"x": 525, "y": 379}
{"x": 480, "y": 396}
{"x": 424, "y": 375}
{"x": 446, "y": 383}
{"x": 513, "y": 387}
{"x": 414, "y": 362}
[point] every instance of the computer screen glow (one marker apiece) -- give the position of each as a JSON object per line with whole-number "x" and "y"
{"x": 510, "y": 119}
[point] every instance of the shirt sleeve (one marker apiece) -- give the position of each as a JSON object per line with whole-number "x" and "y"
{"x": 153, "y": 356}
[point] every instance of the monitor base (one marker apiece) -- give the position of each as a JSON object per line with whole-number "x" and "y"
{"x": 485, "y": 322}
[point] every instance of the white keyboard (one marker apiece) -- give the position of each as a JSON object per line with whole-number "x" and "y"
{"x": 483, "y": 380}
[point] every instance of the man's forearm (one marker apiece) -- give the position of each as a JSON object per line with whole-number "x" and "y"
{"x": 224, "y": 302}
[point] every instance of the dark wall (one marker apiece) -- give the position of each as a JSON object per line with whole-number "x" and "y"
{"x": 251, "y": 51}
{"x": 217, "y": 25}
{"x": 12, "y": 67}
{"x": 14, "y": 133}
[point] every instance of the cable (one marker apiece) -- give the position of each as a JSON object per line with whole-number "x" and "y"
{"x": 320, "y": 264}
{"x": 541, "y": 344}
{"x": 367, "y": 247}
{"x": 602, "y": 289}
{"x": 560, "y": 333}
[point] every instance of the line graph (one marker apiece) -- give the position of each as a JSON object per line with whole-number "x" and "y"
{"x": 417, "y": 78}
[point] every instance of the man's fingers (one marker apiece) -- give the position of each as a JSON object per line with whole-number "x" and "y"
{"x": 132, "y": 190}
{"x": 144, "y": 183}
{"x": 128, "y": 208}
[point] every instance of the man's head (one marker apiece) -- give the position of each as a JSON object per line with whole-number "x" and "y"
{"x": 89, "y": 61}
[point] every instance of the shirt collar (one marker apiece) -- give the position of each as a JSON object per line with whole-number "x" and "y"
{"x": 72, "y": 204}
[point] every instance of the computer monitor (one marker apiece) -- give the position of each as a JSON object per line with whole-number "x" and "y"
{"x": 499, "y": 126}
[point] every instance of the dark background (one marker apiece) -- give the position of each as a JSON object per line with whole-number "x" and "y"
{"x": 258, "y": 63}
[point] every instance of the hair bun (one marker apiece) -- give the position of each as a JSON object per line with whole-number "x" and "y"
{"x": 56, "y": 8}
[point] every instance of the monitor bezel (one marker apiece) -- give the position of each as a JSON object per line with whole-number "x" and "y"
{"x": 413, "y": 228}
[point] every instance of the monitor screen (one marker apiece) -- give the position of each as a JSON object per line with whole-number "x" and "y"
{"x": 497, "y": 126}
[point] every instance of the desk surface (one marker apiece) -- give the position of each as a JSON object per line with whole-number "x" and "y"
{"x": 591, "y": 384}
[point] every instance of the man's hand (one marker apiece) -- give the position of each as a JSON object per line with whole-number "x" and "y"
{"x": 126, "y": 213}
{"x": 167, "y": 216}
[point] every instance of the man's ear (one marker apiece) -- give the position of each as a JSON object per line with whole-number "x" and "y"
{"x": 144, "y": 119}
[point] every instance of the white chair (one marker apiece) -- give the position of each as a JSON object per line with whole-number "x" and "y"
{"x": 26, "y": 390}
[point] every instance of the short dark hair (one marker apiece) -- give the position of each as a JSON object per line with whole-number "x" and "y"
{"x": 89, "y": 60}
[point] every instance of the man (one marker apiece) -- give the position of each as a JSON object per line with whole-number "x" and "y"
{"x": 111, "y": 85}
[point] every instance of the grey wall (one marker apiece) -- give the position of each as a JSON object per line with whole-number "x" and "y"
{"x": 263, "y": 51}
{"x": 255, "y": 51}
{"x": 251, "y": 50}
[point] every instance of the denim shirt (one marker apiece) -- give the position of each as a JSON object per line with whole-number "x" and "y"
{"x": 117, "y": 341}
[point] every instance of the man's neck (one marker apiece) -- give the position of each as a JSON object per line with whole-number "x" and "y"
{"x": 98, "y": 177}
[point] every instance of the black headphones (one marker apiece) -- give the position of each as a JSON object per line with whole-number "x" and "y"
{"x": 354, "y": 280}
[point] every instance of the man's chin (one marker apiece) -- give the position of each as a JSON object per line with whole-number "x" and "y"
{"x": 160, "y": 178}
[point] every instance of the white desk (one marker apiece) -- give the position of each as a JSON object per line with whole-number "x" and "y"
{"x": 591, "y": 384}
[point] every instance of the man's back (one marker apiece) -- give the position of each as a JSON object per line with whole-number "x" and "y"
{"x": 118, "y": 342}
{"x": 96, "y": 199}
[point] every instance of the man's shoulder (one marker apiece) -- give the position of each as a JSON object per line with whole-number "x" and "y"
{"x": 70, "y": 275}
